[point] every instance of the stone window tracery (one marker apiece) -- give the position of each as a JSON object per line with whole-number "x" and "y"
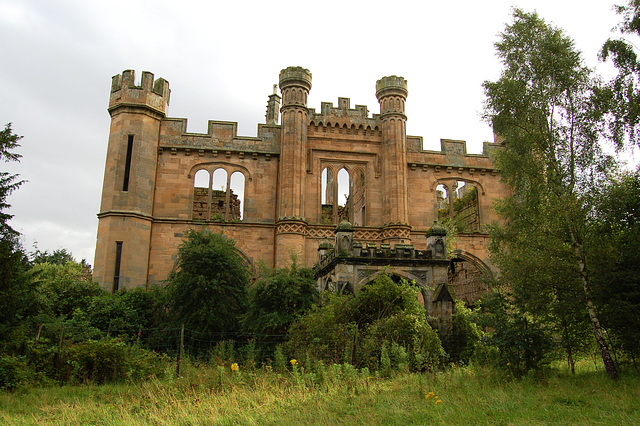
{"x": 219, "y": 195}
{"x": 343, "y": 196}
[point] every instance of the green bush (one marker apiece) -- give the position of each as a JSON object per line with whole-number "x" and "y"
{"x": 348, "y": 329}
{"x": 109, "y": 360}
{"x": 12, "y": 371}
{"x": 278, "y": 298}
{"x": 461, "y": 341}
{"x": 324, "y": 332}
{"x": 523, "y": 344}
{"x": 406, "y": 332}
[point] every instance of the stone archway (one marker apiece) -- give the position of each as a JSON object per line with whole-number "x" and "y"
{"x": 468, "y": 277}
{"x": 396, "y": 276}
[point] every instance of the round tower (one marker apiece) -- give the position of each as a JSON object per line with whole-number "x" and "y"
{"x": 295, "y": 84}
{"x": 124, "y": 226}
{"x": 392, "y": 95}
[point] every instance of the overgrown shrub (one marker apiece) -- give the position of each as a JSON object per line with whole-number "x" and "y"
{"x": 461, "y": 340}
{"x": 522, "y": 343}
{"x": 278, "y": 298}
{"x": 12, "y": 371}
{"x": 354, "y": 329}
{"x": 108, "y": 360}
{"x": 409, "y": 331}
{"x": 325, "y": 332}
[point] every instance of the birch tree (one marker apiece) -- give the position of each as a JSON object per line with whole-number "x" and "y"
{"x": 542, "y": 105}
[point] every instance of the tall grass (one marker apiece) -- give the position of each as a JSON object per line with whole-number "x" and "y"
{"x": 337, "y": 394}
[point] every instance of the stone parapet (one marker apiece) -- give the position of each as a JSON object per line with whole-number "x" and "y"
{"x": 295, "y": 76}
{"x": 151, "y": 94}
{"x": 391, "y": 86}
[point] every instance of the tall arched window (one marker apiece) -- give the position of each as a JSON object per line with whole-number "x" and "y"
{"x": 457, "y": 202}
{"x": 358, "y": 200}
{"x": 201, "y": 195}
{"x": 236, "y": 196}
{"x": 344, "y": 191}
{"x": 219, "y": 195}
{"x": 327, "y": 196}
{"x": 343, "y": 195}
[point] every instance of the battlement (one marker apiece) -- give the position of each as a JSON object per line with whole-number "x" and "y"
{"x": 342, "y": 115}
{"x": 391, "y": 85}
{"x": 368, "y": 253}
{"x": 153, "y": 94}
{"x": 295, "y": 76}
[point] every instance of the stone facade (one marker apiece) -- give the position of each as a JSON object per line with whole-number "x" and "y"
{"x": 303, "y": 173}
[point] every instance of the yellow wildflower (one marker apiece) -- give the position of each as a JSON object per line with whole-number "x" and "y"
{"x": 234, "y": 366}
{"x": 293, "y": 361}
{"x": 438, "y": 401}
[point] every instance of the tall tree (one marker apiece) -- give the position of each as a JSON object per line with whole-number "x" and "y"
{"x": 542, "y": 106}
{"x": 15, "y": 287}
{"x": 8, "y": 181}
{"x": 207, "y": 291}
{"x": 278, "y": 298}
{"x": 615, "y": 261}
{"x": 620, "y": 98}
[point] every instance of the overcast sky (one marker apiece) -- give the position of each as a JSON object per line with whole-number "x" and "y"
{"x": 221, "y": 60}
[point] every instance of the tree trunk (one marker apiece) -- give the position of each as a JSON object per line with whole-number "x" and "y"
{"x": 609, "y": 365}
{"x": 570, "y": 360}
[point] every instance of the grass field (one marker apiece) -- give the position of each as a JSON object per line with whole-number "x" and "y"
{"x": 334, "y": 395}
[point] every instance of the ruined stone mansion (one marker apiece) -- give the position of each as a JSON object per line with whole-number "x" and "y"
{"x": 286, "y": 190}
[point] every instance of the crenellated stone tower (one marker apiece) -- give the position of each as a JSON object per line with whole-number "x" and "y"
{"x": 291, "y": 226}
{"x": 392, "y": 95}
{"x": 126, "y": 210}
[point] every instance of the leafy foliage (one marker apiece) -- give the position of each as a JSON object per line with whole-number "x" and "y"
{"x": 461, "y": 342}
{"x": 109, "y": 360}
{"x": 16, "y": 290}
{"x": 615, "y": 261}
{"x": 620, "y": 97}
{"x": 551, "y": 158}
{"x": 63, "y": 288}
{"x": 524, "y": 343}
{"x": 355, "y": 329}
{"x": 8, "y": 182}
{"x": 278, "y": 298}
{"x": 57, "y": 257}
{"x": 207, "y": 291}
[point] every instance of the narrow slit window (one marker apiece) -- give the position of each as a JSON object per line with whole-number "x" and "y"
{"x": 127, "y": 165}
{"x": 116, "y": 272}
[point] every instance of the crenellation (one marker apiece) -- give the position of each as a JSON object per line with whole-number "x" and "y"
{"x": 125, "y": 94}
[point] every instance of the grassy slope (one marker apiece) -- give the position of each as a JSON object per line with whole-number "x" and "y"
{"x": 219, "y": 397}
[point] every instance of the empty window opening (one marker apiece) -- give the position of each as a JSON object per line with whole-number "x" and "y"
{"x": 327, "y": 196}
{"x": 116, "y": 271}
{"x": 127, "y": 164}
{"x": 219, "y": 198}
{"x": 344, "y": 190}
{"x": 358, "y": 198}
{"x": 457, "y": 203}
{"x": 219, "y": 194}
{"x": 236, "y": 195}
{"x": 201, "y": 195}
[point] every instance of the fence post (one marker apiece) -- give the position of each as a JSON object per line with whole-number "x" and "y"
{"x": 180, "y": 351}
{"x": 355, "y": 339}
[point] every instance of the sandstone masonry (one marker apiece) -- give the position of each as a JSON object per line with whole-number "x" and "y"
{"x": 284, "y": 191}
